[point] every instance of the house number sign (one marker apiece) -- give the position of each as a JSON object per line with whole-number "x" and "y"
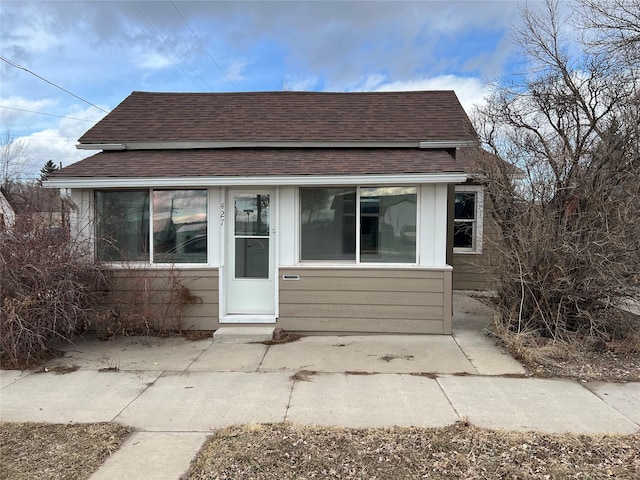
{"x": 222, "y": 214}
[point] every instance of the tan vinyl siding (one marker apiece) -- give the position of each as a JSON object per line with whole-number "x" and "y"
{"x": 151, "y": 291}
{"x": 472, "y": 271}
{"x": 324, "y": 300}
{"x": 345, "y": 300}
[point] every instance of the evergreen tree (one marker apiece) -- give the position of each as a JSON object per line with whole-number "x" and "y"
{"x": 47, "y": 170}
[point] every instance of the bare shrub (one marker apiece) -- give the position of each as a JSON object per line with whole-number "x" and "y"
{"x": 49, "y": 288}
{"x": 567, "y": 259}
{"x": 569, "y": 221}
{"x": 145, "y": 301}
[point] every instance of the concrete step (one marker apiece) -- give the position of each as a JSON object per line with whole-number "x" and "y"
{"x": 243, "y": 334}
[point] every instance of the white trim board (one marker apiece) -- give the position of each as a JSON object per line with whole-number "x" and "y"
{"x": 182, "y": 145}
{"x": 302, "y": 180}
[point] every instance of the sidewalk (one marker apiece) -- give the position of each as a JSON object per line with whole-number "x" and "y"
{"x": 172, "y": 391}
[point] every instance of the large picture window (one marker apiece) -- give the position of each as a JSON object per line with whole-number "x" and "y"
{"x": 387, "y": 217}
{"x": 328, "y": 224}
{"x": 467, "y": 222}
{"x": 122, "y": 225}
{"x": 180, "y": 226}
{"x": 161, "y": 226}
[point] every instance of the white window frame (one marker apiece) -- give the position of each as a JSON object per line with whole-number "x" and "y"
{"x": 478, "y": 221}
{"x": 150, "y": 263}
{"x": 357, "y": 261}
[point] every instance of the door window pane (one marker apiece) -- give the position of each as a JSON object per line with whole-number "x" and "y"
{"x": 251, "y": 215}
{"x": 122, "y": 225}
{"x": 180, "y": 226}
{"x": 251, "y": 232}
{"x": 388, "y": 224}
{"x": 328, "y": 224}
{"x": 252, "y": 257}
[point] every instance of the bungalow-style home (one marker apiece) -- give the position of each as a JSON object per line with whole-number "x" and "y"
{"x": 314, "y": 212}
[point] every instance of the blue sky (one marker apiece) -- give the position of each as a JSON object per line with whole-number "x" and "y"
{"x": 103, "y": 50}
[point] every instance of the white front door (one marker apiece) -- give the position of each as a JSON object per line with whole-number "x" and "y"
{"x": 250, "y": 257}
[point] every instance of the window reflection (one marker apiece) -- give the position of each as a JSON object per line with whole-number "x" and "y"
{"x": 180, "y": 226}
{"x": 328, "y": 223}
{"x": 122, "y": 225}
{"x": 464, "y": 220}
{"x": 251, "y": 215}
{"x": 388, "y": 224}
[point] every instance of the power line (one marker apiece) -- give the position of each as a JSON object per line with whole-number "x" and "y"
{"x": 204, "y": 48}
{"x": 20, "y": 67}
{"x": 168, "y": 44}
{"x": 49, "y": 114}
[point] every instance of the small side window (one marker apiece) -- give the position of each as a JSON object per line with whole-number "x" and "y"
{"x": 467, "y": 220}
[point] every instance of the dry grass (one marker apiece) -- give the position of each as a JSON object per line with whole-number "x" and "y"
{"x": 285, "y": 451}
{"x": 574, "y": 355}
{"x": 56, "y": 452}
{"x": 577, "y": 357}
{"x": 281, "y": 337}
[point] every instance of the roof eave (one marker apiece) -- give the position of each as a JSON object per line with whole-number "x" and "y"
{"x": 193, "y": 144}
{"x": 298, "y": 180}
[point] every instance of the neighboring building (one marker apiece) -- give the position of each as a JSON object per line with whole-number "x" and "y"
{"x": 319, "y": 212}
{"x": 7, "y": 213}
{"x": 29, "y": 207}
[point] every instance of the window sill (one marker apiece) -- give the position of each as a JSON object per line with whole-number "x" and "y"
{"x": 157, "y": 266}
{"x": 368, "y": 266}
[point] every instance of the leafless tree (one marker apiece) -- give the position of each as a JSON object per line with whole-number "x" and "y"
{"x": 613, "y": 26}
{"x": 13, "y": 158}
{"x": 569, "y": 221}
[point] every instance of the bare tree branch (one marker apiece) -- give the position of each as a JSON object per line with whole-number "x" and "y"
{"x": 569, "y": 247}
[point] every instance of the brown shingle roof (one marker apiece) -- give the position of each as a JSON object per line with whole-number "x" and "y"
{"x": 284, "y": 116}
{"x": 260, "y": 162}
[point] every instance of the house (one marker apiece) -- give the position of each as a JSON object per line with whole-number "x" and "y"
{"x": 7, "y": 213}
{"x": 315, "y": 212}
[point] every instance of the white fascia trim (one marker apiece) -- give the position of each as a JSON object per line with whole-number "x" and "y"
{"x": 251, "y": 181}
{"x": 447, "y": 144}
{"x": 187, "y": 145}
{"x": 101, "y": 146}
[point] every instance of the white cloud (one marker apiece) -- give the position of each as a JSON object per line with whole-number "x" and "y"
{"x": 235, "y": 70}
{"x": 58, "y": 142}
{"x": 470, "y": 91}
{"x": 149, "y": 60}
{"x": 299, "y": 84}
{"x": 19, "y": 108}
{"x": 373, "y": 82}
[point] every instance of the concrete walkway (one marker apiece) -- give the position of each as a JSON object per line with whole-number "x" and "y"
{"x": 173, "y": 391}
